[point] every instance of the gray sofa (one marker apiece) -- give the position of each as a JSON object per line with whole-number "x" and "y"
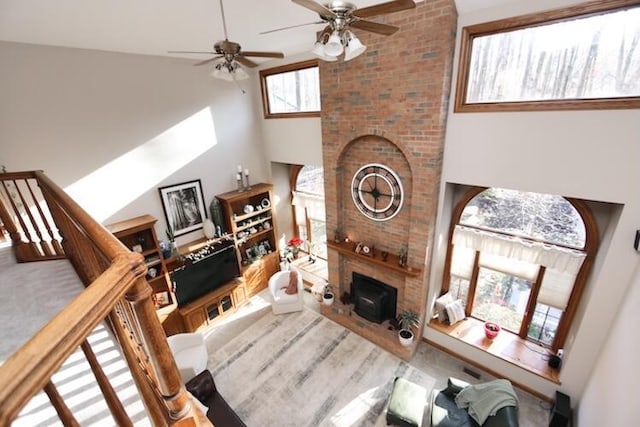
{"x": 446, "y": 413}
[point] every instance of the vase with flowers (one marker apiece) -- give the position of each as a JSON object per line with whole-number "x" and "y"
{"x": 293, "y": 248}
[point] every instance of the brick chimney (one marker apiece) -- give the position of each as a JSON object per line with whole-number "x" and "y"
{"x": 389, "y": 106}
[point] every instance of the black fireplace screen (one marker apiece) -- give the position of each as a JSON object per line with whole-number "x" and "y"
{"x": 374, "y": 300}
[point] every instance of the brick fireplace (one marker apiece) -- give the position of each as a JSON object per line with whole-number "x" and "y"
{"x": 389, "y": 106}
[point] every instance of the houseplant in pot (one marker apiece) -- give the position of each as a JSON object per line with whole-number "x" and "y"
{"x": 407, "y": 320}
{"x": 328, "y": 295}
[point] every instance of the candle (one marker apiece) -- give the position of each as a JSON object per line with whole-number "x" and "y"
{"x": 240, "y": 168}
{"x": 246, "y": 172}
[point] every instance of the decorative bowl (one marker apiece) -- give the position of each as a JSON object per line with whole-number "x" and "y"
{"x": 491, "y": 329}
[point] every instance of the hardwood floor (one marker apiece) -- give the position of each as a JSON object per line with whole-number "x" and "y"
{"x": 506, "y": 346}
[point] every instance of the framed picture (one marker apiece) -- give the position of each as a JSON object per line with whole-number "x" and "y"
{"x": 163, "y": 298}
{"x": 183, "y": 206}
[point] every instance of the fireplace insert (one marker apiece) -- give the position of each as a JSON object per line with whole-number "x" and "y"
{"x": 373, "y": 300}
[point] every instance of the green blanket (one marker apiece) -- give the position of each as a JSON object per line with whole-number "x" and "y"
{"x": 484, "y": 400}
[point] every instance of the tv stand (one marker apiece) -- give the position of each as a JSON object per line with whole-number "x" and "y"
{"x": 208, "y": 308}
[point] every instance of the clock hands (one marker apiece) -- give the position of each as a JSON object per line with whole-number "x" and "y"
{"x": 377, "y": 192}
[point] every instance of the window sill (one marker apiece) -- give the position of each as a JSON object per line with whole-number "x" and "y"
{"x": 506, "y": 346}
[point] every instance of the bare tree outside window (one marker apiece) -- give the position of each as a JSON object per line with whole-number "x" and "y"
{"x": 575, "y": 58}
{"x": 291, "y": 90}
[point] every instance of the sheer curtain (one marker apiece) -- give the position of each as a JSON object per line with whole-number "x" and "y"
{"x": 518, "y": 257}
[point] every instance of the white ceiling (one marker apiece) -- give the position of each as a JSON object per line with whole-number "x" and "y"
{"x": 153, "y": 27}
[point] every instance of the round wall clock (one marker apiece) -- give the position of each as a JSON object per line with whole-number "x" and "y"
{"x": 377, "y": 192}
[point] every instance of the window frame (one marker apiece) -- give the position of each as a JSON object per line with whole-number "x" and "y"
{"x": 469, "y": 33}
{"x": 294, "y": 172}
{"x": 566, "y": 320}
{"x": 266, "y": 108}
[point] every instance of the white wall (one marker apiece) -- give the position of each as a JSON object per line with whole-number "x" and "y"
{"x": 291, "y": 140}
{"x": 111, "y": 128}
{"x": 610, "y": 397}
{"x": 586, "y": 154}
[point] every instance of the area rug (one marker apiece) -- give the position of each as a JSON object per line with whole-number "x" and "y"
{"x": 302, "y": 369}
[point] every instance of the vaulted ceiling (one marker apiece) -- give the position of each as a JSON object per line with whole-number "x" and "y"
{"x": 153, "y": 27}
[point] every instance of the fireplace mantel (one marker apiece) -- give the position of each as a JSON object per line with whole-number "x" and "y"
{"x": 347, "y": 249}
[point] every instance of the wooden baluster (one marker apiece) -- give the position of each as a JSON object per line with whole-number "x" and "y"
{"x": 77, "y": 247}
{"x": 65, "y": 415}
{"x": 52, "y": 245}
{"x": 7, "y": 220}
{"x": 110, "y": 396}
{"x": 25, "y": 250}
{"x": 160, "y": 356}
{"x": 34, "y": 225}
{"x": 35, "y": 228}
{"x": 155, "y": 408}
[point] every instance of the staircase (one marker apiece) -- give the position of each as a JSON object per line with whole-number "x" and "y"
{"x": 102, "y": 357}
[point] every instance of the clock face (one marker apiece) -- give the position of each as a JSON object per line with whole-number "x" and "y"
{"x": 377, "y": 192}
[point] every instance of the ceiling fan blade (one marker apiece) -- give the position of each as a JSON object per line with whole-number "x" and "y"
{"x": 188, "y": 51}
{"x": 246, "y": 62}
{"x": 384, "y": 8}
{"x": 375, "y": 27}
{"x": 316, "y": 7}
{"x": 291, "y": 26}
{"x": 262, "y": 54}
{"x": 206, "y": 61}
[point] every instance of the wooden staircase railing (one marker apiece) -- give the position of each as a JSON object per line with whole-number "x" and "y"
{"x": 45, "y": 223}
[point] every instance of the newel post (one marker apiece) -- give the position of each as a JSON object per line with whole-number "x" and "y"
{"x": 155, "y": 342}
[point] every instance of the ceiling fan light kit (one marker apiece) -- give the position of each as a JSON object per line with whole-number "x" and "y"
{"x": 337, "y": 38}
{"x": 229, "y": 71}
{"x": 334, "y": 47}
{"x": 329, "y": 48}
{"x": 231, "y": 56}
{"x": 318, "y": 50}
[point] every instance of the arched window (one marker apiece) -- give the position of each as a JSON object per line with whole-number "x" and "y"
{"x": 520, "y": 259}
{"x": 308, "y": 206}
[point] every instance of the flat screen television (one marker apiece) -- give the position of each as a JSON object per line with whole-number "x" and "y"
{"x": 205, "y": 275}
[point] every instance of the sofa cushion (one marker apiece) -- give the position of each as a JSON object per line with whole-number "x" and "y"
{"x": 283, "y": 297}
{"x": 201, "y": 386}
{"x": 406, "y": 403}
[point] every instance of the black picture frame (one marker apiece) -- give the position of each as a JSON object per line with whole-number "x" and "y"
{"x": 183, "y": 206}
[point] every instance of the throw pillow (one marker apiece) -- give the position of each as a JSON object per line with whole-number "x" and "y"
{"x": 293, "y": 283}
{"x": 455, "y": 311}
{"x": 441, "y": 307}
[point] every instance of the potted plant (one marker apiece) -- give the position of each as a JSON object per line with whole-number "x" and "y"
{"x": 328, "y": 295}
{"x": 402, "y": 256}
{"x": 407, "y": 320}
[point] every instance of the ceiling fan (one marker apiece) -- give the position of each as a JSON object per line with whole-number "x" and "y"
{"x": 232, "y": 55}
{"x": 340, "y": 16}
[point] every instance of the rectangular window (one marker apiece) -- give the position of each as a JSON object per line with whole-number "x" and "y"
{"x": 582, "y": 57}
{"x": 291, "y": 90}
{"x": 501, "y": 298}
{"x": 544, "y": 324}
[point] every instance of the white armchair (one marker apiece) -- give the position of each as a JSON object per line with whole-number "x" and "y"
{"x": 283, "y": 302}
{"x": 190, "y": 354}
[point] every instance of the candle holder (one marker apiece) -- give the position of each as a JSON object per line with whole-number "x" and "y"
{"x": 247, "y": 186}
{"x": 239, "y": 183}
